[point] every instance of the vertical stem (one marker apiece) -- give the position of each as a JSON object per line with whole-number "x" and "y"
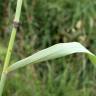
{"x": 10, "y": 46}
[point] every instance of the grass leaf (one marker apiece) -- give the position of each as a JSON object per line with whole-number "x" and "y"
{"x": 53, "y": 52}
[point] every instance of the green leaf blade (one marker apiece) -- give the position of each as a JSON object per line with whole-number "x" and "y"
{"x": 56, "y": 51}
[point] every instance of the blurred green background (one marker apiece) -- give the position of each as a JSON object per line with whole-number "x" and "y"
{"x": 45, "y": 23}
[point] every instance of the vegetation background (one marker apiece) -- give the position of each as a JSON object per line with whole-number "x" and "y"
{"x": 44, "y": 23}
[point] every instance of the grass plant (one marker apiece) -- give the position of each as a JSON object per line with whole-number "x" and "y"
{"x": 53, "y": 52}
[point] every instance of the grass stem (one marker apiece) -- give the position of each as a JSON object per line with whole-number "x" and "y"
{"x": 10, "y": 46}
